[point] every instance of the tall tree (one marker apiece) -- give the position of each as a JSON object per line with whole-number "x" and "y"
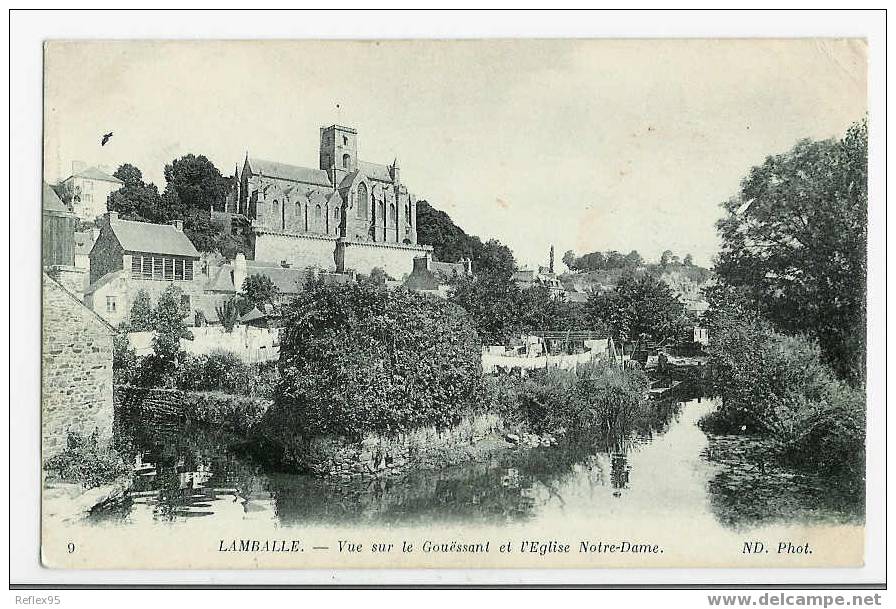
{"x": 450, "y": 243}
{"x": 260, "y": 291}
{"x": 136, "y": 200}
{"x": 197, "y": 182}
{"x": 638, "y": 308}
{"x": 794, "y": 239}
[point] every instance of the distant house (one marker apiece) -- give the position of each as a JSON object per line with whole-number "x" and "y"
{"x": 131, "y": 256}
{"x": 90, "y": 188}
{"x": 434, "y": 277}
{"x": 528, "y": 278}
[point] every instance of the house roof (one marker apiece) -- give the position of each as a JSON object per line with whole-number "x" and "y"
{"x": 288, "y": 280}
{"x": 421, "y": 279}
{"x": 51, "y": 201}
{"x": 306, "y": 175}
{"x": 95, "y": 173}
{"x": 221, "y": 279}
{"x": 252, "y": 315}
{"x": 152, "y": 238}
{"x": 51, "y": 283}
{"x": 104, "y": 280}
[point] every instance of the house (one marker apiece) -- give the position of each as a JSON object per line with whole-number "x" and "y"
{"x": 90, "y": 187}
{"x": 431, "y": 276}
{"x": 528, "y": 278}
{"x": 131, "y": 256}
{"x": 76, "y": 371}
{"x": 59, "y": 249}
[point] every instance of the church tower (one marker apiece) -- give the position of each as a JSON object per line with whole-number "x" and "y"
{"x": 338, "y": 151}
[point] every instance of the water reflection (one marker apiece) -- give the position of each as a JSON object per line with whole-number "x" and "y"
{"x": 660, "y": 462}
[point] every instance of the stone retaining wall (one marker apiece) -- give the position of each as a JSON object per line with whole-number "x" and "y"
{"x": 428, "y": 447}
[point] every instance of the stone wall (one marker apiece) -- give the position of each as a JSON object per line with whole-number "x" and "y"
{"x": 362, "y": 256}
{"x": 297, "y": 250}
{"x": 76, "y": 375}
{"x": 150, "y": 406}
{"x": 377, "y": 456}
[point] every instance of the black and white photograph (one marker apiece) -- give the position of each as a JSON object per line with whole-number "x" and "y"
{"x": 422, "y": 303}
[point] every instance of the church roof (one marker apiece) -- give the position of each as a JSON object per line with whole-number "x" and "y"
{"x": 293, "y": 173}
{"x": 375, "y": 171}
{"x": 152, "y": 238}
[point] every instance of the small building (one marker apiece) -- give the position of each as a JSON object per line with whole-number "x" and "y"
{"x": 528, "y": 278}
{"x": 59, "y": 244}
{"x": 131, "y": 256}
{"x": 90, "y": 187}
{"x": 76, "y": 375}
{"x": 434, "y": 277}
{"x": 701, "y": 335}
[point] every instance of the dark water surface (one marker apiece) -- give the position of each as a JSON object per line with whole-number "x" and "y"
{"x": 664, "y": 467}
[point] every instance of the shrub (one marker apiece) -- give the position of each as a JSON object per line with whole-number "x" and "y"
{"x": 356, "y": 359}
{"x": 85, "y": 461}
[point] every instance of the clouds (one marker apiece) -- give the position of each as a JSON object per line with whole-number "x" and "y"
{"x": 588, "y": 144}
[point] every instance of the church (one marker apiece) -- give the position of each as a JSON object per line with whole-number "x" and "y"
{"x": 347, "y": 215}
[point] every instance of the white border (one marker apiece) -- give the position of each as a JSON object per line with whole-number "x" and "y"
{"x": 29, "y": 29}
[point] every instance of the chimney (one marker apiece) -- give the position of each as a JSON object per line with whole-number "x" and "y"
{"x": 78, "y": 167}
{"x": 239, "y": 271}
{"x": 178, "y": 224}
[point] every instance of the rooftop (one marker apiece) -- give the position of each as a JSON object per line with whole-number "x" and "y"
{"x": 152, "y": 238}
{"x": 95, "y": 173}
{"x": 294, "y": 173}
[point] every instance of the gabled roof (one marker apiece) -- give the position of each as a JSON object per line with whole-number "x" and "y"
{"x": 221, "y": 279}
{"x": 95, "y": 173}
{"x": 152, "y": 238}
{"x": 51, "y": 201}
{"x": 253, "y": 315}
{"x": 293, "y": 173}
{"x": 50, "y": 283}
{"x": 288, "y": 280}
{"x": 375, "y": 171}
{"x": 104, "y": 280}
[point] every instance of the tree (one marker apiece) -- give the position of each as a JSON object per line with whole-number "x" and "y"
{"x": 450, "y": 243}
{"x": 569, "y": 259}
{"x": 169, "y": 327}
{"x": 495, "y": 257}
{"x": 688, "y": 260}
{"x": 356, "y": 359}
{"x": 142, "y": 316}
{"x": 259, "y": 290}
{"x": 638, "y": 308}
{"x": 136, "y": 200}
{"x": 197, "y": 182}
{"x": 666, "y": 258}
{"x": 795, "y": 240}
{"x": 633, "y": 259}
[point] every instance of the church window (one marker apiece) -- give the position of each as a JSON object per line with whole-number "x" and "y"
{"x": 344, "y": 141}
{"x": 362, "y": 200}
{"x": 346, "y": 159}
{"x": 317, "y": 213}
{"x": 276, "y": 206}
{"x": 336, "y": 213}
{"x": 381, "y": 212}
{"x": 392, "y": 213}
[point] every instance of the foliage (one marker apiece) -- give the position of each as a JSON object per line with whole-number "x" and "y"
{"x": 356, "y": 359}
{"x": 125, "y": 365}
{"x": 197, "y": 182}
{"x": 638, "y": 308}
{"x": 142, "y": 317}
{"x": 225, "y": 372}
{"x": 596, "y": 261}
{"x": 450, "y": 243}
{"x": 259, "y": 291}
{"x": 87, "y": 462}
{"x": 594, "y": 396}
{"x": 492, "y": 300}
{"x": 780, "y": 386}
{"x": 169, "y": 327}
{"x": 136, "y": 199}
{"x": 230, "y": 311}
{"x": 795, "y": 239}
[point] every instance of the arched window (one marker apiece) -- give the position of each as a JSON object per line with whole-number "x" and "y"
{"x": 298, "y": 209}
{"x": 361, "y": 208}
{"x": 344, "y": 140}
{"x": 392, "y": 217}
{"x": 276, "y": 206}
{"x": 336, "y": 213}
{"x": 317, "y": 212}
{"x": 381, "y": 212}
{"x": 346, "y": 159}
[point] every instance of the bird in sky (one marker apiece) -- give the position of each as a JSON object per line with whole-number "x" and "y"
{"x": 106, "y": 138}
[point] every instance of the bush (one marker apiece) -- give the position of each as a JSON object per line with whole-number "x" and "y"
{"x": 580, "y": 400}
{"x": 779, "y": 386}
{"x": 224, "y": 371}
{"x": 84, "y": 461}
{"x": 356, "y": 359}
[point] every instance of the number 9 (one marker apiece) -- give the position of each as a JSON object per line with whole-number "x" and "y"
{"x": 71, "y": 548}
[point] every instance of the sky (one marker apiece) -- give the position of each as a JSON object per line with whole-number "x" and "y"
{"x": 582, "y": 144}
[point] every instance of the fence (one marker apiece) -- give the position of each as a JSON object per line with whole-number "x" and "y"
{"x": 252, "y": 345}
